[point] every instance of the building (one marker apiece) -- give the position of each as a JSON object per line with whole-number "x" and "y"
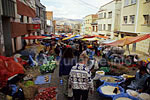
{"x": 82, "y": 27}
{"x": 63, "y": 29}
{"x": 135, "y": 21}
{"x": 18, "y": 19}
{"x": 41, "y": 16}
{"x": 50, "y": 22}
{"x": 109, "y": 18}
{"x": 88, "y": 20}
{"x": 76, "y": 28}
{"x": 94, "y": 27}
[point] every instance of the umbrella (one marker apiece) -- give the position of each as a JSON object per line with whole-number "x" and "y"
{"x": 99, "y": 36}
{"x": 129, "y": 40}
{"x": 47, "y": 38}
{"x": 88, "y": 36}
{"x": 35, "y": 37}
{"x": 91, "y": 39}
{"x": 67, "y": 38}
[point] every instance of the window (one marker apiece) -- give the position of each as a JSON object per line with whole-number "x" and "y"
{"x": 104, "y": 27}
{"x": 101, "y": 15}
{"x": 104, "y": 15}
{"x": 93, "y": 28}
{"x": 133, "y": 1}
{"x": 27, "y": 19}
{"x": 125, "y": 18}
{"x": 21, "y": 18}
{"x": 100, "y": 27}
{"x": 147, "y": 19}
{"x": 109, "y": 27}
{"x": 110, "y": 14}
{"x": 132, "y": 18}
{"x": 126, "y": 3}
{"x": 147, "y": 0}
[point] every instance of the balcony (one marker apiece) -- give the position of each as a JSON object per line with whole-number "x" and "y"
{"x": 8, "y": 7}
{"x": 18, "y": 29}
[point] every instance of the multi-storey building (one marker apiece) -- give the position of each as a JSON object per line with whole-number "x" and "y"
{"x": 109, "y": 18}
{"x": 88, "y": 20}
{"x": 50, "y": 26}
{"x": 18, "y": 21}
{"x": 135, "y": 20}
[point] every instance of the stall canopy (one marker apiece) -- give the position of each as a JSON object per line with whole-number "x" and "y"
{"x": 91, "y": 39}
{"x": 88, "y": 36}
{"x": 35, "y": 37}
{"x": 99, "y": 36}
{"x": 129, "y": 40}
{"x": 67, "y": 38}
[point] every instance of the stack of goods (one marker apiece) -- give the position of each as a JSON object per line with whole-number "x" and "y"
{"x": 144, "y": 96}
{"x": 109, "y": 90}
{"x": 124, "y": 96}
{"x": 111, "y": 79}
{"x": 29, "y": 89}
{"x": 47, "y": 94}
{"x": 49, "y": 67}
{"x": 132, "y": 93}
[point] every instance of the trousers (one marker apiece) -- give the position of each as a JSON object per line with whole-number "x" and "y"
{"x": 78, "y": 94}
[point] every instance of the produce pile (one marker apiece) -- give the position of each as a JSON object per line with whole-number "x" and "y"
{"x": 108, "y": 90}
{"x": 49, "y": 67}
{"x": 47, "y": 94}
{"x": 144, "y": 96}
{"x": 109, "y": 79}
{"x": 123, "y": 98}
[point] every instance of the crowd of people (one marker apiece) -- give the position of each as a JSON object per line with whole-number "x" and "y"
{"x": 75, "y": 71}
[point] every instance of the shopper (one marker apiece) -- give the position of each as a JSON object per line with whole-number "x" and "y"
{"x": 66, "y": 63}
{"x": 80, "y": 79}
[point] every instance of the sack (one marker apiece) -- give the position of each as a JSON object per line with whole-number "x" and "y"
{"x": 70, "y": 92}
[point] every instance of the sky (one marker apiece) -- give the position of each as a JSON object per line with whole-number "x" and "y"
{"x": 73, "y": 9}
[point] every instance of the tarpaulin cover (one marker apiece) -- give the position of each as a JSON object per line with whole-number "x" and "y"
{"x": 107, "y": 84}
{"x": 8, "y": 68}
{"x": 91, "y": 39}
{"x": 120, "y": 79}
{"x": 124, "y": 95}
{"x": 42, "y": 79}
{"x": 34, "y": 37}
{"x": 88, "y": 36}
{"x": 129, "y": 40}
{"x": 99, "y": 36}
{"x": 69, "y": 37}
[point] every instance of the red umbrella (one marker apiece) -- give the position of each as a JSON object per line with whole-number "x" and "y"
{"x": 88, "y": 36}
{"x": 34, "y": 37}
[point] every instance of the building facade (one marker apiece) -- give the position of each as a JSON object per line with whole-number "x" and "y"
{"x": 88, "y": 20}
{"x": 50, "y": 26}
{"x": 135, "y": 21}
{"x": 94, "y": 27}
{"x": 41, "y": 15}
{"x": 109, "y": 18}
{"x": 17, "y": 20}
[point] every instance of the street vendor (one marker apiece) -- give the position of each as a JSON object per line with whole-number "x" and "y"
{"x": 91, "y": 52}
{"x": 141, "y": 77}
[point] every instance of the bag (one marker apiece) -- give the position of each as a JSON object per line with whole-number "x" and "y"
{"x": 70, "y": 92}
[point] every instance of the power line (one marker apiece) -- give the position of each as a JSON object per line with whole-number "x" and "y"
{"x": 89, "y": 6}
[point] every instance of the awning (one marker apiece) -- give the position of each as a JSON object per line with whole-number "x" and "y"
{"x": 100, "y": 36}
{"x": 69, "y": 37}
{"x": 91, "y": 39}
{"x": 35, "y": 37}
{"x": 129, "y": 40}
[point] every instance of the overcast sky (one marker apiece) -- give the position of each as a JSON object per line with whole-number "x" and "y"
{"x": 74, "y": 9}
